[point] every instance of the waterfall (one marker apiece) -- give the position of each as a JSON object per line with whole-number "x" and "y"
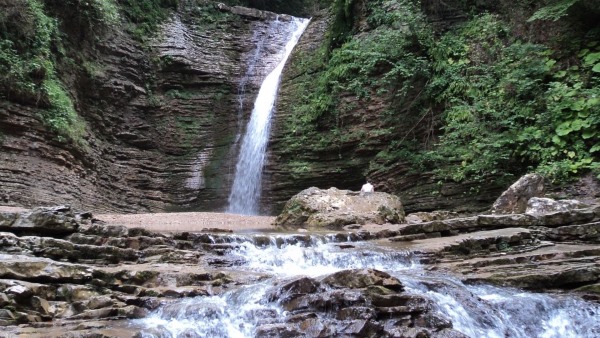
{"x": 246, "y": 189}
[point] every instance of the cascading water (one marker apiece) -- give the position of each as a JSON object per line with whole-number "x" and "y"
{"x": 476, "y": 311}
{"x": 246, "y": 189}
{"x": 261, "y": 40}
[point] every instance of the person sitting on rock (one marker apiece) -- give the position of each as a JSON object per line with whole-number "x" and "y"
{"x": 366, "y": 189}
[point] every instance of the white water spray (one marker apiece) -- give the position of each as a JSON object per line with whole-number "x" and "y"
{"x": 476, "y": 311}
{"x": 246, "y": 190}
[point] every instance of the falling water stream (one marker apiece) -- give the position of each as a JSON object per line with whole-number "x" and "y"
{"x": 477, "y": 311}
{"x": 246, "y": 190}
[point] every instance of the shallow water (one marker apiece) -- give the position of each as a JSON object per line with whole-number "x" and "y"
{"x": 475, "y": 310}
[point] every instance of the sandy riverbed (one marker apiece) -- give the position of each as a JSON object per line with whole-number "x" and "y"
{"x": 190, "y": 221}
{"x": 181, "y": 221}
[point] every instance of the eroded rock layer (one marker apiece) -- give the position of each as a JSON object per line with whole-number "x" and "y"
{"x": 162, "y": 118}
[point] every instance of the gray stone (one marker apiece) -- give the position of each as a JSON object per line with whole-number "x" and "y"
{"x": 514, "y": 199}
{"x": 4, "y": 300}
{"x": 419, "y": 217}
{"x": 584, "y": 232}
{"x": 53, "y": 220}
{"x": 41, "y": 305}
{"x": 562, "y": 218}
{"x": 98, "y": 302}
{"x": 358, "y": 279}
{"x": 21, "y": 291}
{"x": 333, "y": 208}
{"x": 506, "y": 221}
{"x": 35, "y": 268}
{"x": 7, "y": 218}
{"x": 541, "y": 206}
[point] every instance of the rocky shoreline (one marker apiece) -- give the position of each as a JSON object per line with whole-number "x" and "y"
{"x": 68, "y": 270}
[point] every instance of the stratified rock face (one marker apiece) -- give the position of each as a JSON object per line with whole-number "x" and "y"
{"x": 514, "y": 199}
{"x": 162, "y": 119}
{"x": 346, "y": 161}
{"x": 72, "y": 272}
{"x": 334, "y": 208}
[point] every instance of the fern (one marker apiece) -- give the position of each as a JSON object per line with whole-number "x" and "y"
{"x": 554, "y": 11}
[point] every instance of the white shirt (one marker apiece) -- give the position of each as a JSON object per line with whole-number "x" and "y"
{"x": 367, "y": 188}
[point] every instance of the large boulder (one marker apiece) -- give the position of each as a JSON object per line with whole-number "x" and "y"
{"x": 334, "y": 208}
{"x": 514, "y": 199}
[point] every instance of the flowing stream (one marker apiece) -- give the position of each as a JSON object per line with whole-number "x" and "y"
{"x": 477, "y": 311}
{"x": 246, "y": 190}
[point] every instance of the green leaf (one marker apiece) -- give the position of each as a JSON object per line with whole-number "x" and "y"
{"x": 592, "y": 58}
{"x": 578, "y": 105}
{"x": 576, "y": 125}
{"x": 595, "y": 148}
{"x": 556, "y": 139}
{"x": 583, "y": 52}
{"x": 596, "y": 68}
{"x": 553, "y": 11}
{"x": 587, "y": 134}
{"x": 550, "y": 63}
{"x": 564, "y": 128}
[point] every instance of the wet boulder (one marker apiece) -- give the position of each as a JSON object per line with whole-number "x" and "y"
{"x": 362, "y": 278}
{"x": 334, "y": 208}
{"x": 277, "y": 331}
{"x": 354, "y": 303}
{"x": 302, "y": 285}
{"x": 514, "y": 199}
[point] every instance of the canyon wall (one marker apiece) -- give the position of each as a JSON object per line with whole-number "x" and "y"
{"x": 161, "y": 117}
{"x": 343, "y": 151}
{"x": 163, "y": 114}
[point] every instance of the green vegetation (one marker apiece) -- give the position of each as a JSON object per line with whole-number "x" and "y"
{"x": 553, "y": 11}
{"x": 179, "y": 94}
{"x": 511, "y": 106}
{"x": 91, "y": 14}
{"x": 33, "y": 39}
{"x": 475, "y": 101}
{"x": 299, "y": 8}
{"x": 144, "y": 16}
{"x": 27, "y": 65}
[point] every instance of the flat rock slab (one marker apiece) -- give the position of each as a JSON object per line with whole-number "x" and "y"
{"x": 541, "y": 268}
{"x": 30, "y": 268}
{"x": 438, "y": 245}
{"x": 58, "y": 220}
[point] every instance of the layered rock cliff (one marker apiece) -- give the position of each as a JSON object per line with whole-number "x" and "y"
{"x": 162, "y": 117}
{"x": 348, "y": 148}
{"x": 161, "y": 114}
{"x": 441, "y": 103}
